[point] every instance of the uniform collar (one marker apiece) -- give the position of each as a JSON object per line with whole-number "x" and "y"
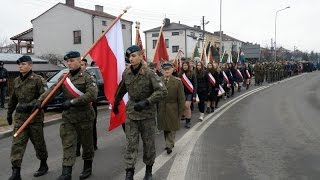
{"x": 25, "y": 76}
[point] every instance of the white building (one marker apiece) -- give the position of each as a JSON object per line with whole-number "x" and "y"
{"x": 229, "y": 44}
{"x": 177, "y": 36}
{"x": 65, "y": 27}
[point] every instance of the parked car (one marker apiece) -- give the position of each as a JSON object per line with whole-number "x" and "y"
{"x": 58, "y": 100}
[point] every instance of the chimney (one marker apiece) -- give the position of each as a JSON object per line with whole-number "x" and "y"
{"x": 98, "y": 8}
{"x": 166, "y": 22}
{"x": 70, "y": 2}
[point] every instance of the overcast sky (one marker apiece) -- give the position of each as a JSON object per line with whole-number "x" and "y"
{"x": 246, "y": 20}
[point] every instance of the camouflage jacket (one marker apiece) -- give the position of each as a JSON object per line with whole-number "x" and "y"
{"x": 144, "y": 85}
{"x": 81, "y": 109}
{"x": 26, "y": 90}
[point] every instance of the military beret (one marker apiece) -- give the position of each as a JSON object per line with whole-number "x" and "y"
{"x": 132, "y": 49}
{"x": 71, "y": 54}
{"x": 152, "y": 65}
{"x": 24, "y": 58}
{"x": 166, "y": 65}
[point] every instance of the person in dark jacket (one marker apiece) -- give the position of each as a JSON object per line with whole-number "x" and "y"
{"x": 214, "y": 82}
{"x": 3, "y": 83}
{"x": 189, "y": 81}
{"x": 203, "y": 87}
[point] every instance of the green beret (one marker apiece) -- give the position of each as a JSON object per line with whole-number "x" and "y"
{"x": 132, "y": 49}
{"x": 24, "y": 58}
{"x": 71, "y": 54}
{"x": 166, "y": 65}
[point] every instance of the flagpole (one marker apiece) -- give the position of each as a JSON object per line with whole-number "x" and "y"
{"x": 48, "y": 97}
{"x": 203, "y": 50}
{"x": 137, "y": 32}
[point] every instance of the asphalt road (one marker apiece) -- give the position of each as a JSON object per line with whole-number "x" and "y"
{"x": 267, "y": 132}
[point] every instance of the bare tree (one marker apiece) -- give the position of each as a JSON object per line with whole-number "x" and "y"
{"x": 53, "y": 59}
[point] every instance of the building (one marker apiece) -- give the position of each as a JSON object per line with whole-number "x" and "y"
{"x": 252, "y": 52}
{"x": 23, "y": 42}
{"x": 177, "y": 36}
{"x": 229, "y": 44}
{"x": 66, "y": 27}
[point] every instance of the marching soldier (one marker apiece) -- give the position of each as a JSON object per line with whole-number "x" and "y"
{"x": 145, "y": 89}
{"x": 26, "y": 89}
{"x": 171, "y": 107}
{"x": 79, "y": 90}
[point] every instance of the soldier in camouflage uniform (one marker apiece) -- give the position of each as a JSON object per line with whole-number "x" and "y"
{"x": 79, "y": 91}
{"x": 145, "y": 89}
{"x": 26, "y": 89}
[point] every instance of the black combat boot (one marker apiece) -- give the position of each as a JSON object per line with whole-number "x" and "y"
{"x": 129, "y": 174}
{"x": 87, "y": 169}
{"x": 15, "y": 173}
{"x": 148, "y": 175}
{"x": 66, "y": 173}
{"x": 43, "y": 169}
{"x": 78, "y": 153}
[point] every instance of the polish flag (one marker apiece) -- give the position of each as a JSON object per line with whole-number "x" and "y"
{"x": 108, "y": 54}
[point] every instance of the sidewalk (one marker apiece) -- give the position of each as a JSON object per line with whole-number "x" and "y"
{"x": 6, "y": 131}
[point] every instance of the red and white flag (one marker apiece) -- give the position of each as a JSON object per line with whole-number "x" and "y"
{"x": 108, "y": 53}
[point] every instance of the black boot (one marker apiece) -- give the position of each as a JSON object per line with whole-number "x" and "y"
{"x": 129, "y": 174}
{"x": 43, "y": 169}
{"x": 87, "y": 169}
{"x": 78, "y": 153}
{"x": 15, "y": 174}
{"x": 188, "y": 124}
{"x": 148, "y": 175}
{"x": 66, "y": 173}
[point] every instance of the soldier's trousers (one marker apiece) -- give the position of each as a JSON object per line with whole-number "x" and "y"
{"x": 133, "y": 130}
{"x": 34, "y": 131}
{"x": 69, "y": 132}
{"x": 169, "y": 137}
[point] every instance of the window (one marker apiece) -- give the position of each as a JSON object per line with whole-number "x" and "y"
{"x": 123, "y": 26}
{"x": 104, "y": 23}
{"x": 192, "y": 34}
{"x": 154, "y": 43}
{"x": 175, "y": 33}
{"x": 175, "y": 49}
{"x": 155, "y": 34}
{"x": 167, "y": 43}
{"x": 76, "y": 37}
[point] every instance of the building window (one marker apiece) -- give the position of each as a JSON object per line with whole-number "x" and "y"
{"x": 154, "y": 43}
{"x": 167, "y": 43}
{"x": 175, "y": 33}
{"x": 76, "y": 37}
{"x": 192, "y": 34}
{"x": 123, "y": 26}
{"x": 104, "y": 23}
{"x": 155, "y": 34}
{"x": 175, "y": 49}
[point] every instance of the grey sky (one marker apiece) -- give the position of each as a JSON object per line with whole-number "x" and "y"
{"x": 247, "y": 20}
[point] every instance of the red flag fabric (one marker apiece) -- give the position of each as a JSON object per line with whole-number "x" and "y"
{"x": 108, "y": 55}
{"x": 161, "y": 53}
{"x": 139, "y": 43}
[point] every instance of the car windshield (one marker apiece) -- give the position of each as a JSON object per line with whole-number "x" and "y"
{"x": 56, "y": 77}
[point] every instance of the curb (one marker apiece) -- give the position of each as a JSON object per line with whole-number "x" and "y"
{"x": 50, "y": 122}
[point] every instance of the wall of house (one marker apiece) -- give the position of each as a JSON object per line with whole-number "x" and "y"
{"x": 53, "y": 31}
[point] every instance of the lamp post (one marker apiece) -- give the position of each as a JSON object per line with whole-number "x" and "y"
{"x": 220, "y": 38}
{"x": 275, "y": 32}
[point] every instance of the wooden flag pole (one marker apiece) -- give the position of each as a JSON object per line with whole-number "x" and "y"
{"x": 45, "y": 101}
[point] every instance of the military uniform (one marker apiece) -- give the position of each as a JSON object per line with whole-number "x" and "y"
{"x": 171, "y": 109}
{"x": 145, "y": 89}
{"x": 26, "y": 89}
{"x": 77, "y": 117}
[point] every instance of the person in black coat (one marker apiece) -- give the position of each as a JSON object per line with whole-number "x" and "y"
{"x": 203, "y": 87}
{"x": 213, "y": 87}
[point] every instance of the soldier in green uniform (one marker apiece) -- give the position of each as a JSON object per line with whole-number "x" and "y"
{"x": 79, "y": 91}
{"x": 145, "y": 89}
{"x": 26, "y": 90}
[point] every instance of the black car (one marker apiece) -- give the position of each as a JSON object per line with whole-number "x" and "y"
{"x": 58, "y": 100}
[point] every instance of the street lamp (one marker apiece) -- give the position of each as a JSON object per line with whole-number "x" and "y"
{"x": 275, "y": 32}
